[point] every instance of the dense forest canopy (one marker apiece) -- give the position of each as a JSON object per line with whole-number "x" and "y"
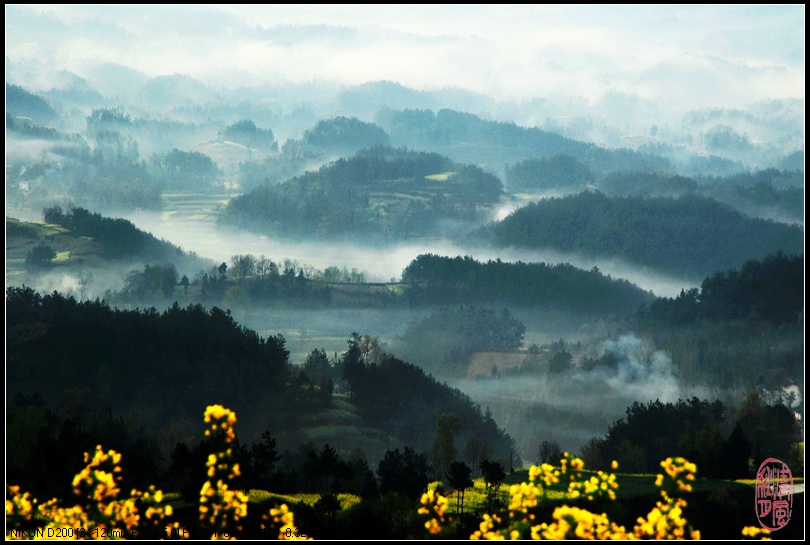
{"x": 689, "y": 236}
{"x": 381, "y": 193}
{"x": 119, "y": 238}
{"x": 160, "y": 368}
{"x": 771, "y": 289}
{"x": 437, "y": 279}
{"x": 342, "y": 135}
{"x": 720, "y": 440}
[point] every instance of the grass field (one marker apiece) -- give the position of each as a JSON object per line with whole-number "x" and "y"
{"x": 442, "y": 177}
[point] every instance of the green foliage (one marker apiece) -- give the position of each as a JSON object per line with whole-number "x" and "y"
{"x": 646, "y": 184}
{"x": 689, "y": 236}
{"x": 459, "y": 477}
{"x": 342, "y": 134}
{"x": 20, "y": 102}
{"x": 444, "y": 341}
{"x": 129, "y": 356}
{"x": 695, "y": 428}
{"x": 434, "y": 279}
{"x": 558, "y": 172}
{"x": 40, "y": 257}
{"x": 101, "y": 119}
{"x": 380, "y": 193}
{"x": 770, "y": 289}
{"x": 763, "y": 193}
{"x": 560, "y": 359}
{"x": 119, "y": 238}
{"x": 179, "y": 169}
{"x": 403, "y": 399}
{"x": 404, "y": 472}
{"x": 25, "y": 128}
{"x": 247, "y": 133}
{"x": 493, "y": 475}
{"x": 444, "y": 451}
{"x": 153, "y": 283}
{"x": 319, "y": 367}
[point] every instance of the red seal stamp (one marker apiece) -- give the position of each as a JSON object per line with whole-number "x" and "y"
{"x": 774, "y": 494}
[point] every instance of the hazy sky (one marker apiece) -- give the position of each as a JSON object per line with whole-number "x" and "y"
{"x": 687, "y": 55}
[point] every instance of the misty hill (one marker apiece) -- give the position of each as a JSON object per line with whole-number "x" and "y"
{"x": 468, "y": 138}
{"x": 163, "y": 93}
{"x": 246, "y": 133}
{"x": 793, "y": 161}
{"x": 21, "y": 103}
{"x": 163, "y": 367}
{"x": 434, "y": 279}
{"x": 770, "y": 193}
{"x": 119, "y": 238}
{"x": 328, "y": 139}
{"x": 770, "y": 289}
{"x": 381, "y": 193}
{"x": 343, "y": 134}
{"x": 115, "y": 80}
{"x": 78, "y": 240}
{"x": 557, "y": 172}
{"x": 369, "y": 98}
{"x": 690, "y": 235}
{"x": 73, "y": 93}
{"x": 24, "y": 128}
{"x": 444, "y": 342}
{"x": 742, "y": 330}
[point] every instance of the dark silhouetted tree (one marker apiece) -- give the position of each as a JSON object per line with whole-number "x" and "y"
{"x": 458, "y": 476}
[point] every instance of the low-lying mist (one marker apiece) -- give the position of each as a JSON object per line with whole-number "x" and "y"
{"x": 199, "y": 233}
{"x": 574, "y": 406}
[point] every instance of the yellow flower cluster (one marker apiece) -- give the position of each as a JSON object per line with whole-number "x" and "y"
{"x": 487, "y": 528}
{"x": 99, "y": 479}
{"x": 546, "y": 473}
{"x": 284, "y": 520}
{"x": 525, "y": 497}
{"x": 753, "y": 532}
{"x": 20, "y": 505}
{"x": 571, "y": 466}
{"x": 221, "y": 422}
{"x": 665, "y": 521}
{"x": 101, "y": 514}
{"x": 434, "y": 505}
{"x": 221, "y": 509}
{"x": 678, "y": 473}
{"x": 576, "y": 523}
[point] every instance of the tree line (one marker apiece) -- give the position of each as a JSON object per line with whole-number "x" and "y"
{"x": 446, "y": 280}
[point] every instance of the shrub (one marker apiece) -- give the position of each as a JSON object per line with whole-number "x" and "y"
{"x": 664, "y": 521}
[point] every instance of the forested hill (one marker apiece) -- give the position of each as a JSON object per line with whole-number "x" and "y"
{"x": 771, "y": 289}
{"x": 434, "y": 279}
{"x": 161, "y": 368}
{"x": 20, "y": 102}
{"x": 119, "y": 238}
{"x": 380, "y": 193}
{"x": 467, "y": 137}
{"x": 690, "y": 236}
